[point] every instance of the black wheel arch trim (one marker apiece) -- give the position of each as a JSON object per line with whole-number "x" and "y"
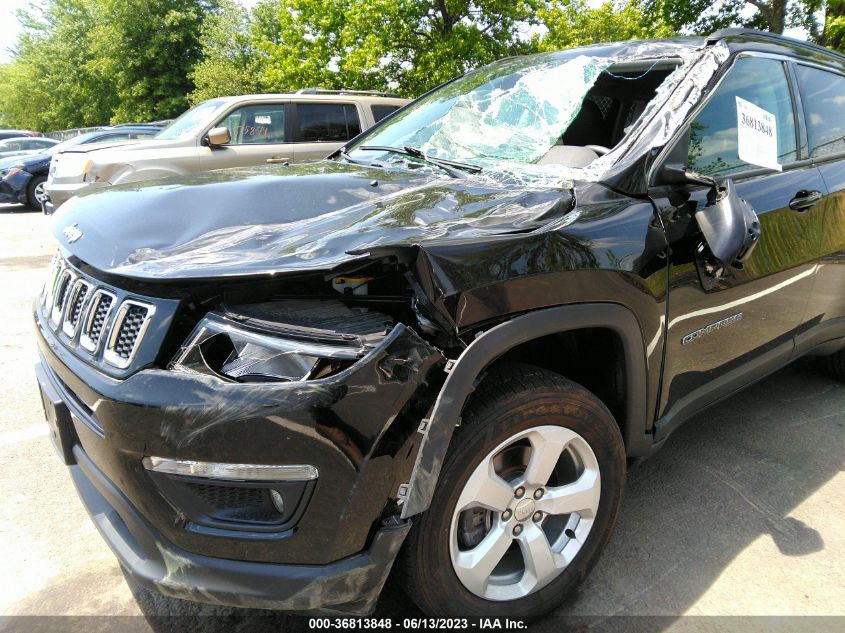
{"x": 459, "y": 384}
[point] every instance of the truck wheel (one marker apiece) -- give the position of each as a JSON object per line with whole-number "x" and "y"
{"x": 35, "y": 193}
{"x": 526, "y": 500}
{"x": 835, "y": 365}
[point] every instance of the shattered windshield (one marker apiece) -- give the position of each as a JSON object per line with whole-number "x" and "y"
{"x": 512, "y": 118}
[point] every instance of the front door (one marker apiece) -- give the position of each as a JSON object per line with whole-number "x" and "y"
{"x": 727, "y": 329}
{"x": 259, "y": 133}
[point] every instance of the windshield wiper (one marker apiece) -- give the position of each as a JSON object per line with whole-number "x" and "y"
{"x": 355, "y": 161}
{"x": 451, "y": 167}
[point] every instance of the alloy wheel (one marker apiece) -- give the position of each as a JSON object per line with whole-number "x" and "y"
{"x": 525, "y": 513}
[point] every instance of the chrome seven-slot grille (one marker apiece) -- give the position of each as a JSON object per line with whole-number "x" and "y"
{"x": 79, "y": 307}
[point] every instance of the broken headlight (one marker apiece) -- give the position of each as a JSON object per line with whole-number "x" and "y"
{"x": 243, "y": 348}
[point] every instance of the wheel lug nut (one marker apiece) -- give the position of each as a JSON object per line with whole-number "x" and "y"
{"x": 506, "y": 515}
{"x": 517, "y": 530}
{"x": 538, "y": 516}
{"x": 519, "y": 492}
{"x": 539, "y": 493}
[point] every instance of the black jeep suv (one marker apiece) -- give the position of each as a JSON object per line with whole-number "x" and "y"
{"x": 438, "y": 349}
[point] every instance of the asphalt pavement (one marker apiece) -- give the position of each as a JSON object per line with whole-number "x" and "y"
{"x": 737, "y": 524}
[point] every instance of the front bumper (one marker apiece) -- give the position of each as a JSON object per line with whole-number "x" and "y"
{"x": 60, "y": 193}
{"x": 348, "y": 586}
{"x": 10, "y": 194}
{"x": 357, "y": 428}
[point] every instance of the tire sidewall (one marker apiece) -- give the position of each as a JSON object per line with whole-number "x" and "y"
{"x": 30, "y": 191}
{"x": 579, "y": 411}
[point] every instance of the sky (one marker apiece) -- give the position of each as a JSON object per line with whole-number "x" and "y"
{"x": 9, "y": 26}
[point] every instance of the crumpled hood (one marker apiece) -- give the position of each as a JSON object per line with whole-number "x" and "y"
{"x": 273, "y": 219}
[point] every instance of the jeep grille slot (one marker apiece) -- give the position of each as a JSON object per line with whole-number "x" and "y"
{"x": 50, "y": 285}
{"x": 75, "y": 303}
{"x": 127, "y": 331}
{"x": 98, "y": 312}
{"x": 60, "y": 295}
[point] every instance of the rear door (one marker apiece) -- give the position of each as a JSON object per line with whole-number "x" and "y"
{"x": 726, "y": 330}
{"x": 260, "y": 133}
{"x": 823, "y": 98}
{"x": 322, "y": 127}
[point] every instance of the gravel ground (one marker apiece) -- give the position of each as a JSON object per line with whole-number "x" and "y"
{"x": 739, "y": 516}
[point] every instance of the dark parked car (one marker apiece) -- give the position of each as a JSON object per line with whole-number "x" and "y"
{"x": 13, "y": 133}
{"x": 23, "y": 181}
{"x": 439, "y": 349}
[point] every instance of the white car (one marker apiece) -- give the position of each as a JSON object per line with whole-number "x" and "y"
{"x": 226, "y": 132}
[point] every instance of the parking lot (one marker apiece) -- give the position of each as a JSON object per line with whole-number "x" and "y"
{"x": 741, "y": 514}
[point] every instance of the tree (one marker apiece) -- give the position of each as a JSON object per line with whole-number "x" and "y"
{"x": 50, "y": 83}
{"x": 231, "y": 61}
{"x": 148, "y": 48}
{"x": 405, "y": 45}
{"x": 90, "y": 62}
{"x": 833, "y": 33}
{"x": 574, "y": 23}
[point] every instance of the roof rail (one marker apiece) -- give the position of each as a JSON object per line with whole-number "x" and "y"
{"x": 136, "y": 125}
{"x": 733, "y": 31}
{"x": 324, "y": 91}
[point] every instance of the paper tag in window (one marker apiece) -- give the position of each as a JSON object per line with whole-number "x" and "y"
{"x": 757, "y": 135}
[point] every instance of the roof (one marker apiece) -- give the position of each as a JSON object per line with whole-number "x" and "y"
{"x": 773, "y": 38}
{"x": 314, "y": 94}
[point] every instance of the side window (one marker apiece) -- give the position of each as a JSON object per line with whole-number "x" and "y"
{"x": 256, "y": 124}
{"x": 381, "y": 111}
{"x": 327, "y": 122}
{"x": 713, "y": 139}
{"x": 823, "y": 98}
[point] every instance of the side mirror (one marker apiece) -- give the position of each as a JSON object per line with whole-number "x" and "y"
{"x": 729, "y": 224}
{"x": 217, "y": 136}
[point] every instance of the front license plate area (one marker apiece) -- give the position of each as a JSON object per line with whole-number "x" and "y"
{"x": 60, "y": 425}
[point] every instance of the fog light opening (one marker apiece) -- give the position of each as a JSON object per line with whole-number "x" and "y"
{"x": 278, "y": 501}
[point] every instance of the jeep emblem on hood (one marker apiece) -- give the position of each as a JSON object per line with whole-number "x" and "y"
{"x": 72, "y": 233}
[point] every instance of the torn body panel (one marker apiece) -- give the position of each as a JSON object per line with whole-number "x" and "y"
{"x": 355, "y": 427}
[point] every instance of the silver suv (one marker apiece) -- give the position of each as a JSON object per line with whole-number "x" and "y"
{"x": 226, "y": 132}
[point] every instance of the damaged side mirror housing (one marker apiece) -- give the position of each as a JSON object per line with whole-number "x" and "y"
{"x": 729, "y": 225}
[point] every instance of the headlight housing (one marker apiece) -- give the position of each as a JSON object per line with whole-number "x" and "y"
{"x": 239, "y": 347}
{"x": 12, "y": 172}
{"x": 68, "y": 165}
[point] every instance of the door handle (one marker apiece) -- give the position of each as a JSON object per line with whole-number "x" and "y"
{"x": 278, "y": 159}
{"x": 804, "y": 200}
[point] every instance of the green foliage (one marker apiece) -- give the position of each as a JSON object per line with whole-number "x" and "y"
{"x": 404, "y": 45}
{"x": 89, "y": 62}
{"x": 231, "y": 61}
{"x": 576, "y": 24}
{"x": 407, "y": 46}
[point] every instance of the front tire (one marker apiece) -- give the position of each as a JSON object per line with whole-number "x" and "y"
{"x": 35, "y": 192}
{"x": 834, "y": 365}
{"x": 527, "y": 499}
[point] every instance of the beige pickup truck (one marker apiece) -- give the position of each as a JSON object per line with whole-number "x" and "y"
{"x": 225, "y": 132}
